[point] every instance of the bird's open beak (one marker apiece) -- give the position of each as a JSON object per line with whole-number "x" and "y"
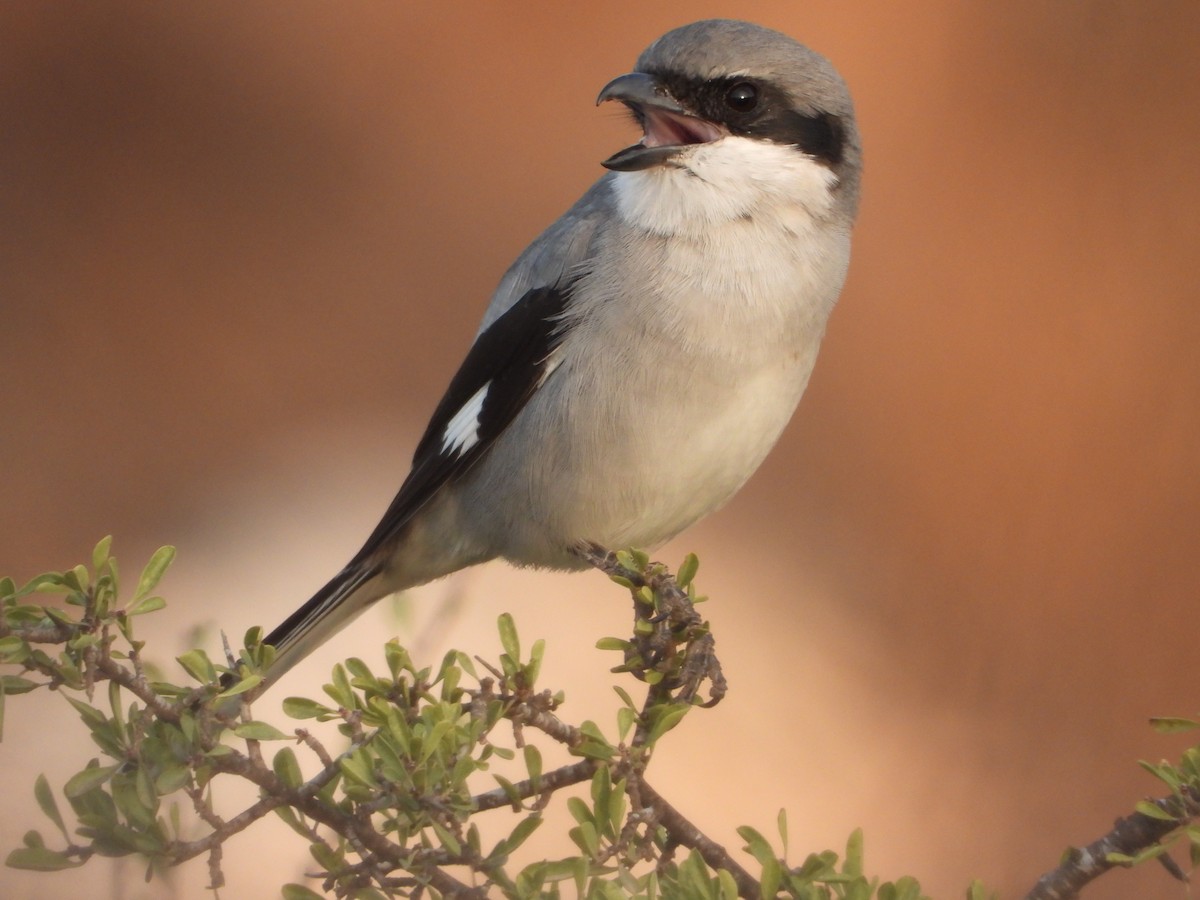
{"x": 667, "y": 126}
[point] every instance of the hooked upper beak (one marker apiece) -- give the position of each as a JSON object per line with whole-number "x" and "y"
{"x": 668, "y": 127}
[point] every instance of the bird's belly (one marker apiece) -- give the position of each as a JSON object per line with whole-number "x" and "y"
{"x": 644, "y": 463}
{"x": 690, "y": 460}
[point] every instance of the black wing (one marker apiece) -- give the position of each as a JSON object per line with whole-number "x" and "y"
{"x": 504, "y": 367}
{"x": 508, "y": 362}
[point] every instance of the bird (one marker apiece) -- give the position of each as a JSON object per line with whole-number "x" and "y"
{"x": 642, "y": 356}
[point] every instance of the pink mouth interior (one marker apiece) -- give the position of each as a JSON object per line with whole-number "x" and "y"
{"x": 668, "y": 129}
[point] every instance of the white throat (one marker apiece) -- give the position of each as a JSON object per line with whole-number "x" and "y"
{"x": 732, "y": 178}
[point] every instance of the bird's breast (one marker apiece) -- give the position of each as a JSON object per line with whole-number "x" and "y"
{"x": 682, "y": 360}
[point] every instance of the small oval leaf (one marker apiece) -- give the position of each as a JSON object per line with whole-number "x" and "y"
{"x": 259, "y": 731}
{"x": 41, "y": 859}
{"x": 47, "y": 803}
{"x": 154, "y": 571}
{"x": 89, "y": 779}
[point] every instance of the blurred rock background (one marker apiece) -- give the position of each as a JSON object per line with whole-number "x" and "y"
{"x": 243, "y": 246}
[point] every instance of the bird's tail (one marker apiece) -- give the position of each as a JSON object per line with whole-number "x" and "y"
{"x": 330, "y": 609}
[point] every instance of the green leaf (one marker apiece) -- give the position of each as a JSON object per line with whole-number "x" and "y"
{"x": 1191, "y": 763}
{"x": 508, "y": 636}
{"x": 579, "y": 810}
{"x": 253, "y": 637}
{"x": 772, "y": 875}
{"x": 397, "y": 658}
{"x": 474, "y": 842}
{"x": 45, "y": 800}
{"x": 854, "y": 848}
{"x": 593, "y": 750}
{"x": 292, "y": 821}
{"x": 130, "y": 801}
{"x": 303, "y": 708}
{"x": 756, "y": 845}
{"x": 728, "y": 885}
{"x": 197, "y": 664}
{"x": 114, "y": 702}
{"x": 47, "y": 583}
{"x": 510, "y": 791}
{"x": 260, "y": 731}
{"x": 616, "y": 810}
{"x": 100, "y": 552}
{"x": 464, "y": 662}
{"x": 663, "y": 718}
{"x": 172, "y": 778}
{"x": 61, "y": 616}
{"x": 40, "y": 859}
{"x": 1153, "y": 811}
{"x": 693, "y": 880}
{"x": 339, "y": 690}
{"x": 359, "y": 670}
{"x": 626, "y": 718}
{"x": 524, "y": 829}
{"x": 77, "y": 578}
{"x": 83, "y": 641}
{"x": 331, "y": 860}
{"x": 1165, "y": 772}
{"x": 534, "y": 667}
{"x": 153, "y": 572}
{"x": 687, "y": 570}
{"x": 144, "y": 788}
{"x": 1173, "y": 724}
{"x": 588, "y": 728}
{"x": 287, "y": 767}
{"x": 145, "y": 605}
{"x": 299, "y": 892}
{"x": 445, "y": 838}
{"x": 596, "y": 746}
{"x": 89, "y": 779}
{"x": 612, "y": 643}
{"x": 91, "y": 716}
{"x": 240, "y": 687}
{"x": 15, "y": 684}
{"x": 1151, "y": 852}
{"x": 533, "y": 762}
{"x": 601, "y": 790}
{"x": 356, "y": 766}
{"x": 586, "y": 839}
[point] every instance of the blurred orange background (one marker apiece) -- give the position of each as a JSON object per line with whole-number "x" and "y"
{"x": 243, "y": 247}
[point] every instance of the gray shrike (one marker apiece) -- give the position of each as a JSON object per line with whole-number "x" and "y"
{"x": 643, "y": 355}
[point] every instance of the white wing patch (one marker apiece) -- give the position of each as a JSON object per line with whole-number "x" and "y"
{"x": 552, "y": 362}
{"x": 462, "y": 431}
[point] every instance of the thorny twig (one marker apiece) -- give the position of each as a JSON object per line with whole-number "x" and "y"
{"x": 1129, "y": 836}
{"x": 675, "y": 623}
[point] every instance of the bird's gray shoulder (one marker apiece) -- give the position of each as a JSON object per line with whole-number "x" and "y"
{"x": 559, "y": 252}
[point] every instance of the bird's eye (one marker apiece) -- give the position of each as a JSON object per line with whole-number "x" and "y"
{"x": 742, "y": 97}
